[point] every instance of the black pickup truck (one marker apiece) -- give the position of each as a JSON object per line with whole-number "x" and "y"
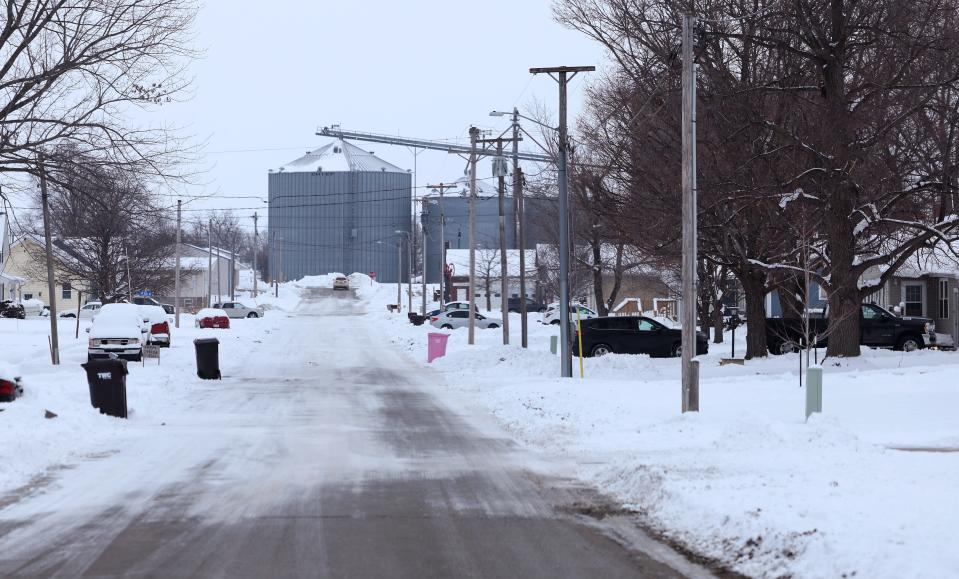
{"x": 877, "y": 328}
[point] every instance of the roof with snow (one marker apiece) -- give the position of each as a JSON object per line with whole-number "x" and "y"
{"x": 484, "y": 188}
{"x": 339, "y": 156}
{"x": 488, "y": 261}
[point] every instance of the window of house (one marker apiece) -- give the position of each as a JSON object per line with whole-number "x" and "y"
{"x": 67, "y": 291}
{"x": 913, "y": 299}
{"x": 823, "y": 296}
{"x": 28, "y": 296}
{"x": 943, "y": 298}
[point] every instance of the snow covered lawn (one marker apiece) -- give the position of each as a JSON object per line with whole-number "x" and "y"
{"x": 746, "y": 481}
{"x": 156, "y": 393}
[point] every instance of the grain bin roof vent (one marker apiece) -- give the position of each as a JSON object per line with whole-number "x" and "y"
{"x": 340, "y": 156}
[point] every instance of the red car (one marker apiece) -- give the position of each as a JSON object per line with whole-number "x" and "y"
{"x": 212, "y": 318}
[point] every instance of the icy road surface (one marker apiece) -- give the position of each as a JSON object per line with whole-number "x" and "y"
{"x": 327, "y": 454}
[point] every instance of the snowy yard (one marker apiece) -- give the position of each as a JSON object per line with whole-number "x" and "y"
{"x": 155, "y": 392}
{"x": 866, "y": 489}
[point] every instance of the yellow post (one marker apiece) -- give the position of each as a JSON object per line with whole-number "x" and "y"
{"x": 579, "y": 336}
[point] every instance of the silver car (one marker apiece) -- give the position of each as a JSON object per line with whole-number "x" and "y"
{"x": 461, "y": 318}
{"x": 238, "y": 310}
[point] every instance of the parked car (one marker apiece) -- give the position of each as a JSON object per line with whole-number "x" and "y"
{"x": 212, "y": 318}
{"x": 515, "y": 305}
{"x": 159, "y": 325}
{"x": 119, "y": 329}
{"x": 87, "y": 312}
{"x": 9, "y": 387}
{"x": 238, "y": 310}
{"x": 460, "y": 319}
{"x": 144, "y": 301}
{"x": 341, "y": 283}
{"x": 632, "y": 335}
{"x": 32, "y": 307}
{"x": 551, "y": 315}
{"x": 10, "y": 309}
{"x": 878, "y": 328}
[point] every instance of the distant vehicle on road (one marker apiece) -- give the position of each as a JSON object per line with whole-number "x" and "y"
{"x": 238, "y": 310}
{"x": 632, "y": 335}
{"x": 119, "y": 329}
{"x": 515, "y": 305}
{"x": 212, "y": 318}
{"x": 551, "y": 315}
{"x": 341, "y": 283}
{"x": 878, "y": 328}
{"x": 460, "y": 319}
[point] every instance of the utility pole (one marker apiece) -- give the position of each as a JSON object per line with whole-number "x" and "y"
{"x": 500, "y": 172}
{"x": 474, "y": 135}
{"x": 409, "y": 269}
{"x": 256, "y": 248}
{"x": 442, "y": 187}
{"x": 399, "y": 274}
{"x": 563, "y": 77}
{"x": 126, "y": 255}
{"x": 690, "y": 367}
{"x": 518, "y": 191}
{"x": 209, "y": 266}
{"x": 51, "y": 282}
{"x": 423, "y": 251}
{"x": 176, "y": 282}
{"x": 520, "y": 233}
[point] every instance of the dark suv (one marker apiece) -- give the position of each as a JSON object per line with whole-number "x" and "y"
{"x": 632, "y": 335}
{"x": 514, "y": 305}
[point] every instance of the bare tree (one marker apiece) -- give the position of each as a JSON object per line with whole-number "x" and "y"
{"x": 827, "y": 98}
{"x": 109, "y": 229}
{"x": 71, "y": 71}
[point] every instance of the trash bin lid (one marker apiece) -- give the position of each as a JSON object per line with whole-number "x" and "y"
{"x": 106, "y": 364}
{"x": 201, "y": 341}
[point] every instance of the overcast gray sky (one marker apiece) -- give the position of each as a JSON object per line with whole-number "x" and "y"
{"x": 429, "y": 68}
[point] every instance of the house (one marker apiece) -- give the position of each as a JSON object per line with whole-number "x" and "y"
{"x": 197, "y": 283}
{"x": 927, "y": 286}
{"x": 9, "y": 283}
{"x": 26, "y": 262}
{"x": 488, "y": 274}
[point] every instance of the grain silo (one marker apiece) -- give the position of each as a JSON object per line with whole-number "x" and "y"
{"x": 337, "y": 209}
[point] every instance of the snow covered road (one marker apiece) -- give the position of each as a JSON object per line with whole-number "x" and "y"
{"x": 327, "y": 453}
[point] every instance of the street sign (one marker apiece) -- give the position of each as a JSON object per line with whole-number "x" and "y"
{"x": 145, "y": 293}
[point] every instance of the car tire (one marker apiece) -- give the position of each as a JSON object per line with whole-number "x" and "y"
{"x": 600, "y": 350}
{"x": 446, "y": 327}
{"x": 252, "y": 315}
{"x": 677, "y": 350}
{"x": 789, "y": 347}
{"x": 909, "y": 343}
{"x": 492, "y": 326}
{"x": 69, "y": 315}
{"x": 554, "y": 323}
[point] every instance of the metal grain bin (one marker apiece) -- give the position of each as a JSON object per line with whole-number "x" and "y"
{"x": 337, "y": 209}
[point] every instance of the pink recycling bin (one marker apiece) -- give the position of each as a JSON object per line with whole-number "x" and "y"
{"x": 437, "y": 346}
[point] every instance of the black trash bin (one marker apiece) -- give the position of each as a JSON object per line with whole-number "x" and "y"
{"x": 108, "y": 385}
{"x": 207, "y": 358}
